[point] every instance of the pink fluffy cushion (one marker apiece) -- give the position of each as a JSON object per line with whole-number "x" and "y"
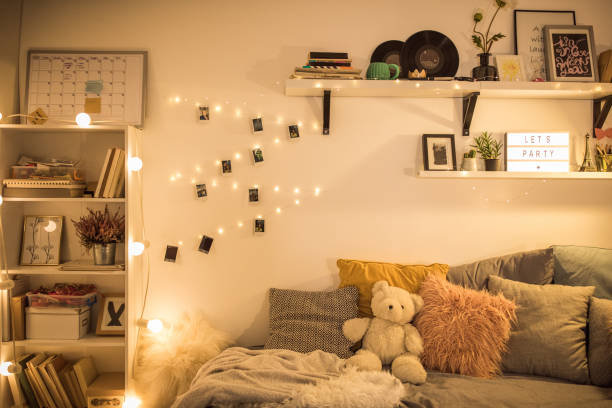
{"x": 464, "y": 331}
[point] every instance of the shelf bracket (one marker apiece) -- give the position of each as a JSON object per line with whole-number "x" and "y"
{"x": 601, "y": 113}
{"x": 469, "y": 103}
{"x": 326, "y": 107}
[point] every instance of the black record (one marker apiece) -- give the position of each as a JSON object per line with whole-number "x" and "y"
{"x": 432, "y": 51}
{"x": 388, "y": 52}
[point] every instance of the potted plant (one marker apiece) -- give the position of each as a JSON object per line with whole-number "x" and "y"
{"x": 489, "y": 149}
{"x": 101, "y": 231}
{"x": 484, "y": 42}
{"x": 469, "y": 161}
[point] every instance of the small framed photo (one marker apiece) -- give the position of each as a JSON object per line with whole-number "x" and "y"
{"x": 510, "y": 67}
{"x": 171, "y": 253}
{"x": 226, "y": 167}
{"x": 439, "y": 152}
{"x": 201, "y": 190}
{"x": 258, "y": 155}
{"x": 111, "y": 315}
{"x": 260, "y": 226}
{"x": 205, "y": 244}
{"x": 42, "y": 238}
{"x": 294, "y": 132}
{"x": 253, "y": 195}
{"x": 570, "y": 53}
{"x": 257, "y": 125}
{"x": 203, "y": 113}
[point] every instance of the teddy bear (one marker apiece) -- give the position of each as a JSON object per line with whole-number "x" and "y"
{"x": 389, "y": 338}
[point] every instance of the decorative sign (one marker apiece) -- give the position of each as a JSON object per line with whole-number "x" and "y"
{"x": 570, "y": 53}
{"x": 537, "y": 152}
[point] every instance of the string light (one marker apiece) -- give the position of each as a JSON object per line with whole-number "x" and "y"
{"x": 238, "y": 113}
{"x": 177, "y": 99}
{"x": 180, "y": 243}
{"x": 132, "y": 402}
{"x": 276, "y": 189}
{"x": 136, "y": 248}
{"x": 193, "y": 181}
{"x": 237, "y": 155}
{"x": 218, "y": 108}
{"x": 82, "y": 119}
{"x": 278, "y": 210}
{"x": 1, "y": 200}
{"x": 179, "y": 175}
{"x": 240, "y": 224}
{"x": 260, "y": 217}
{"x": 155, "y": 325}
{"x": 317, "y": 191}
{"x": 214, "y": 183}
{"x": 0, "y": 115}
{"x": 217, "y": 162}
{"x": 296, "y": 190}
{"x": 172, "y": 178}
{"x": 235, "y": 186}
{"x": 7, "y": 368}
{"x": 220, "y": 231}
{"x": 297, "y": 202}
{"x": 277, "y": 140}
{"x": 300, "y": 124}
{"x": 198, "y": 169}
{"x": 134, "y": 163}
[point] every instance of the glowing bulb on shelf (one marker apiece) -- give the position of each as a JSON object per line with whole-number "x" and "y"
{"x": 7, "y": 368}
{"x": 317, "y": 191}
{"x": 279, "y": 120}
{"x": 51, "y": 226}
{"x": 155, "y": 325}
{"x": 276, "y": 188}
{"x": 220, "y": 231}
{"x": 315, "y": 126}
{"x": 132, "y": 402}
{"x": 179, "y": 175}
{"x": 417, "y": 85}
{"x": 82, "y": 119}
{"x": 136, "y": 248}
{"x": 134, "y": 163}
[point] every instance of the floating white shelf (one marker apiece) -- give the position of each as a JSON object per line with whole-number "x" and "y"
{"x": 89, "y": 340}
{"x": 514, "y": 175}
{"x": 55, "y": 270}
{"x": 55, "y": 127}
{"x": 66, "y": 200}
{"x": 448, "y": 89}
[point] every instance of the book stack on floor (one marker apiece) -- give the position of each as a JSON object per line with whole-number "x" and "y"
{"x": 327, "y": 65}
{"x": 112, "y": 175}
{"x": 47, "y": 380}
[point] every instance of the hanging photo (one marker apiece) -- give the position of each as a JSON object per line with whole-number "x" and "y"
{"x": 439, "y": 152}
{"x": 226, "y": 167}
{"x": 253, "y": 195}
{"x": 111, "y": 316}
{"x": 529, "y": 37}
{"x": 294, "y": 132}
{"x": 204, "y": 112}
{"x": 205, "y": 244}
{"x": 570, "y": 53}
{"x": 260, "y": 226}
{"x": 42, "y": 237}
{"x": 257, "y": 125}
{"x": 201, "y": 190}
{"x": 171, "y": 253}
{"x": 510, "y": 67}
{"x": 258, "y": 155}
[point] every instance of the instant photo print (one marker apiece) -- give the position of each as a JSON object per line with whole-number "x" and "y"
{"x": 253, "y": 195}
{"x": 294, "y": 132}
{"x": 257, "y": 155}
{"x": 171, "y": 253}
{"x": 201, "y": 190}
{"x": 203, "y": 113}
{"x": 257, "y": 125}
{"x": 260, "y": 226}
{"x": 205, "y": 244}
{"x": 226, "y": 167}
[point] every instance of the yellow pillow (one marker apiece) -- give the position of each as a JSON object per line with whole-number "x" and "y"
{"x": 364, "y": 274}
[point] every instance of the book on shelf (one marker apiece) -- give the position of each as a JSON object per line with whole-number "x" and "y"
{"x": 86, "y": 372}
{"x": 329, "y": 63}
{"x": 328, "y": 70}
{"x": 18, "y": 397}
{"x": 43, "y": 371}
{"x": 21, "y": 287}
{"x": 112, "y": 174}
{"x": 88, "y": 265}
{"x": 37, "y": 381}
{"x": 307, "y": 75}
{"x": 24, "y": 382}
{"x": 18, "y": 304}
{"x": 327, "y": 55}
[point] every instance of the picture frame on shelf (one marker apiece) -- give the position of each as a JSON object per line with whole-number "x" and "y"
{"x": 439, "y": 152}
{"x": 510, "y": 68}
{"x": 570, "y": 53}
{"x": 111, "y": 315}
{"x": 41, "y": 240}
{"x": 529, "y": 37}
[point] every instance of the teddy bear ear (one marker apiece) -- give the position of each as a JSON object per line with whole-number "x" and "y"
{"x": 418, "y": 302}
{"x": 380, "y": 285}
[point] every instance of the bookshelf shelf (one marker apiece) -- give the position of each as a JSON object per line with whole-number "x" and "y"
{"x": 55, "y": 270}
{"x": 514, "y": 175}
{"x": 89, "y": 340}
{"x": 66, "y": 200}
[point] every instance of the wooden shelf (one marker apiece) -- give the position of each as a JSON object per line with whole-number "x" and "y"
{"x": 53, "y": 128}
{"x": 514, "y": 175}
{"x": 55, "y": 270}
{"x": 449, "y": 89}
{"x": 89, "y": 340}
{"x": 65, "y": 200}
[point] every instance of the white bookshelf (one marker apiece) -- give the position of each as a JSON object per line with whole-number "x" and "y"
{"x": 88, "y": 145}
{"x": 496, "y": 175}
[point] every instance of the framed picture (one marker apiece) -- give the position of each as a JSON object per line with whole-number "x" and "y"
{"x": 439, "y": 152}
{"x": 510, "y": 67}
{"x": 42, "y": 238}
{"x": 570, "y": 53}
{"x": 529, "y": 37}
{"x": 111, "y": 316}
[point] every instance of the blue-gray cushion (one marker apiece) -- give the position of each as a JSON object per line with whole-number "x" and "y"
{"x": 584, "y": 266}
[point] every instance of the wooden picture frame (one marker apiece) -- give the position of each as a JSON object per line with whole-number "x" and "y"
{"x": 439, "y": 152}
{"x": 41, "y": 241}
{"x": 570, "y": 53}
{"x": 112, "y": 316}
{"x": 529, "y": 39}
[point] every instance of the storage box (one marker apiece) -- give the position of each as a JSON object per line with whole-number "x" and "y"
{"x": 25, "y": 172}
{"x": 57, "y": 323}
{"x": 42, "y": 300}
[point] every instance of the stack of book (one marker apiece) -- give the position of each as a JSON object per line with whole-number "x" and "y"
{"x": 49, "y": 381}
{"x": 327, "y": 65}
{"x": 112, "y": 175}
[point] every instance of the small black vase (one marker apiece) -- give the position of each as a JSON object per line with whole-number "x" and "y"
{"x": 485, "y": 72}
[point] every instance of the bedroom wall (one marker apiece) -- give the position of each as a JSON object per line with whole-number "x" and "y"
{"x": 237, "y": 55}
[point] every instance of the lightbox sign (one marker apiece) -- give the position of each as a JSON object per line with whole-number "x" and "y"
{"x": 537, "y": 152}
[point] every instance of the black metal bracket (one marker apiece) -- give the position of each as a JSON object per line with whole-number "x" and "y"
{"x": 326, "y": 108}
{"x": 601, "y": 113}
{"x": 469, "y": 103}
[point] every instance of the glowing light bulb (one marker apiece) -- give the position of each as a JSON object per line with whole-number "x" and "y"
{"x": 235, "y": 186}
{"x": 82, "y": 119}
{"x": 1, "y": 200}
{"x": 198, "y": 169}
{"x": 5, "y": 367}
{"x": 51, "y": 226}
{"x": 214, "y": 183}
{"x": 155, "y": 325}
{"x": 297, "y": 202}
{"x": 172, "y": 178}
{"x": 193, "y": 181}
{"x": 238, "y": 113}
{"x": 318, "y": 85}
{"x": 255, "y": 185}
{"x": 259, "y": 217}
{"x": 276, "y": 188}
{"x": 278, "y": 210}
{"x": 277, "y": 140}
{"x": 217, "y": 162}
{"x": 0, "y": 115}
{"x": 179, "y": 175}
{"x": 279, "y": 120}
{"x": 132, "y": 402}
{"x": 296, "y": 190}
{"x": 237, "y": 155}
{"x": 134, "y": 163}
{"x": 417, "y": 85}
{"x": 136, "y": 248}
{"x": 218, "y": 108}
{"x": 256, "y": 146}
{"x": 220, "y": 231}
{"x": 240, "y": 224}
{"x": 317, "y": 191}
{"x": 180, "y": 242}
{"x": 315, "y": 126}
{"x": 177, "y": 99}
{"x": 300, "y": 124}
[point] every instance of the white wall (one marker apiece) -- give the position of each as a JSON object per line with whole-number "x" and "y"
{"x": 237, "y": 55}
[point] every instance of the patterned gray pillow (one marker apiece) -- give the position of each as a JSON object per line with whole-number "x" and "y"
{"x": 306, "y": 321}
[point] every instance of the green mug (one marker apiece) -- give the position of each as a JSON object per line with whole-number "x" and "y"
{"x": 381, "y": 70}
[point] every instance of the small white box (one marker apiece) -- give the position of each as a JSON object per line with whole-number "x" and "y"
{"x": 57, "y": 323}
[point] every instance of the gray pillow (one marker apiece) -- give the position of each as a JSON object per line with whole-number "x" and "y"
{"x": 600, "y": 342}
{"x": 530, "y": 267}
{"x": 584, "y": 266}
{"x": 549, "y": 337}
{"x": 306, "y": 321}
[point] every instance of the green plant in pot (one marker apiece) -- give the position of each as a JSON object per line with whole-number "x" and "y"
{"x": 484, "y": 42}
{"x": 489, "y": 149}
{"x": 101, "y": 231}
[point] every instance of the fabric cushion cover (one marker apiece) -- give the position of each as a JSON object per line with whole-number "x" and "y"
{"x": 364, "y": 274}
{"x": 530, "y": 267}
{"x": 549, "y": 338}
{"x": 600, "y": 342}
{"x": 464, "y": 331}
{"x": 584, "y": 266}
{"x": 305, "y": 321}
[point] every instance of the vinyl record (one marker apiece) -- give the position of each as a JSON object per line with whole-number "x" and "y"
{"x": 432, "y": 51}
{"x": 388, "y": 52}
